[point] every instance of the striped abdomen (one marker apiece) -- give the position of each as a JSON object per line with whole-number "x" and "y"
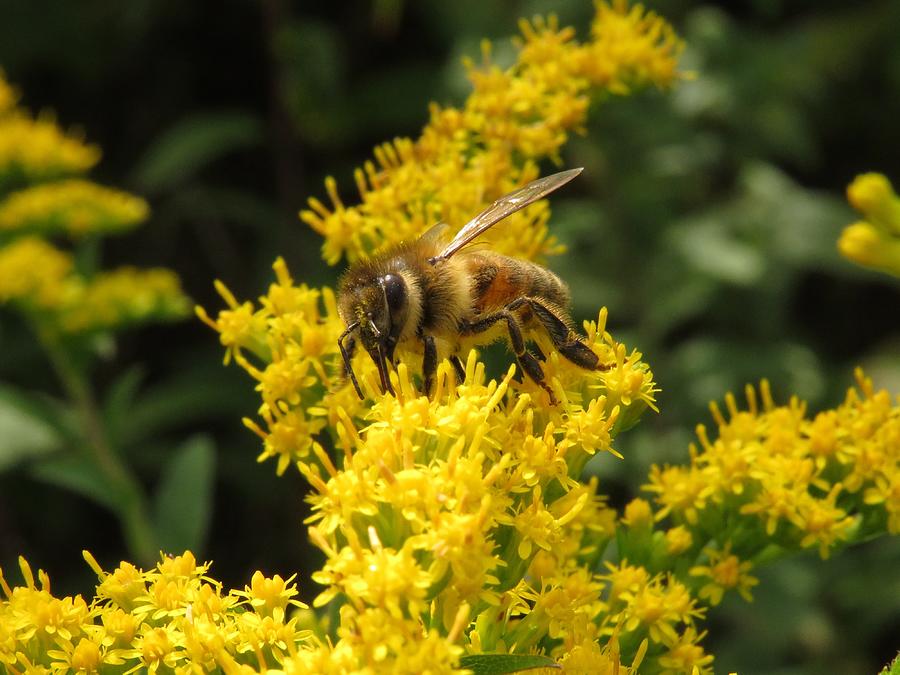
{"x": 497, "y": 280}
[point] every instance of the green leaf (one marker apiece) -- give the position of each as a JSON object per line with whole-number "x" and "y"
{"x": 194, "y": 393}
{"x": 714, "y": 251}
{"x": 29, "y": 427}
{"x": 183, "y": 499}
{"x": 80, "y": 475}
{"x": 191, "y": 144}
{"x": 496, "y": 664}
{"x": 120, "y": 399}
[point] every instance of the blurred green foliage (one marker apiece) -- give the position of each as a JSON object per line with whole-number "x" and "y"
{"x": 705, "y": 219}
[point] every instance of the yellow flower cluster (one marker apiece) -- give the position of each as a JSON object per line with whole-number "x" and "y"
{"x": 467, "y": 157}
{"x": 785, "y": 481}
{"x": 123, "y": 296}
{"x": 292, "y": 341}
{"x": 75, "y": 207}
{"x": 36, "y": 149}
{"x": 454, "y": 523}
{"x": 174, "y": 618}
{"x": 34, "y": 272}
{"x": 39, "y": 278}
{"x": 875, "y": 241}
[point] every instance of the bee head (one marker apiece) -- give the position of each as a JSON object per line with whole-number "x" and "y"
{"x": 375, "y": 313}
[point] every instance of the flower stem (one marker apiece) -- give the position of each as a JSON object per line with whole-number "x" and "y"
{"x": 131, "y": 508}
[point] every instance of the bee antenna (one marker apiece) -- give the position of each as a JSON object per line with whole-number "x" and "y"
{"x": 346, "y": 356}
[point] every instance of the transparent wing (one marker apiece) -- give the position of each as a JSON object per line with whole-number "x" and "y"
{"x": 505, "y": 206}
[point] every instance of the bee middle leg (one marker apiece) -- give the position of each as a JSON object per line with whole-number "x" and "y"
{"x": 526, "y": 359}
{"x": 429, "y": 362}
{"x": 566, "y": 340}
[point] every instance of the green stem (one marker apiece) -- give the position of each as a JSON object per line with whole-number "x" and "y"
{"x": 132, "y": 510}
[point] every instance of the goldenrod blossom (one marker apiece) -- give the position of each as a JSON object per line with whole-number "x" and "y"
{"x": 806, "y": 481}
{"x": 122, "y": 297}
{"x": 76, "y": 207}
{"x": 171, "y": 616}
{"x": 35, "y": 273}
{"x": 41, "y": 279}
{"x": 36, "y": 149}
{"x": 467, "y": 157}
{"x": 875, "y": 241}
{"x": 725, "y": 571}
{"x": 436, "y": 507}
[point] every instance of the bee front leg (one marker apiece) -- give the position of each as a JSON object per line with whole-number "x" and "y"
{"x": 429, "y": 362}
{"x": 526, "y": 359}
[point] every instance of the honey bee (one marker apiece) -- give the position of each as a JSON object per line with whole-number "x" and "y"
{"x": 424, "y": 290}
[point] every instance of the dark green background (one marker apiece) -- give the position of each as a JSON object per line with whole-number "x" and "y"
{"x": 705, "y": 220}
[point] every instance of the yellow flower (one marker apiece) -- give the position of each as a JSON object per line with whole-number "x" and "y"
{"x": 686, "y": 655}
{"x": 380, "y": 577}
{"x": 866, "y": 245}
{"x": 680, "y": 491}
{"x": 266, "y": 595}
{"x": 36, "y": 149}
{"x": 873, "y": 195}
{"x": 123, "y": 296}
{"x": 467, "y": 157}
{"x": 174, "y": 617}
{"x": 123, "y": 586}
{"x": 239, "y": 327}
{"x": 156, "y": 648}
{"x": 391, "y": 644}
{"x": 631, "y": 47}
{"x": 582, "y": 654}
{"x": 725, "y": 572}
{"x": 76, "y": 207}
{"x": 806, "y": 480}
{"x": 430, "y": 510}
{"x": 35, "y": 273}
{"x": 874, "y": 242}
{"x": 566, "y": 599}
{"x": 658, "y": 604}
{"x": 638, "y": 514}
{"x": 34, "y": 621}
{"x": 88, "y": 655}
{"x": 822, "y": 523}
{"x": 678, "y": 540}
{"x": 886, "y": 491}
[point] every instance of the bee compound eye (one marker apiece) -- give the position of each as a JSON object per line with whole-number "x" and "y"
{"x": 394, "y": 291}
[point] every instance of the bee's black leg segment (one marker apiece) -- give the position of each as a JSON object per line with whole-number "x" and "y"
{"x": 346, "y": 354}
{"x": 382, "y": 364}
{"x": 429, "y": 363}
{"x": 526, "y": 359}
{"x": 458, "y": 368}
{"x": 566, "y": 340}
{"x": 533, "y": 369}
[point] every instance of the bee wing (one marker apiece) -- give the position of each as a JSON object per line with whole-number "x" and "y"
{"x": 436, "y": 232}
{"x": 505, "y": 206}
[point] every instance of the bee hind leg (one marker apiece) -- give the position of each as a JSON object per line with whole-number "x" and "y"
{"x": 458, "y": 369}
{"x": 566, "y": 340}
{"x": 527, "y": 361}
